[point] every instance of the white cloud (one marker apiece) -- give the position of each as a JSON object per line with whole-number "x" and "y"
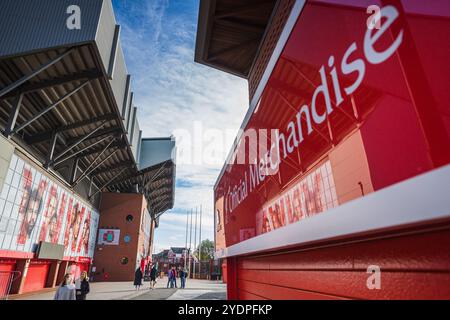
{"x": 172, "y": 92}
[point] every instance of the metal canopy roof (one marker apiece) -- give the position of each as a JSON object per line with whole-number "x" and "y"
{"x": 66, "y": 99}
{"x": 83, "y": 125}
{"x": 230, "y": 32}
{"x": 157, "y": 183}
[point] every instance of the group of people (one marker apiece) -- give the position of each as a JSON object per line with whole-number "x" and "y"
{"x": 138, "y": 276}
{"x": 73, "y": 290}
{"x": 172, "y": 277}
{"x": 78, "y": 289}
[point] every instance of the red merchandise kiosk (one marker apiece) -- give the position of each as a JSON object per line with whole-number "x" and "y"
{"x": 337, "y": 185}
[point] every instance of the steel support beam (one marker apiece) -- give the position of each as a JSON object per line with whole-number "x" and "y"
{"x": 32, "y": 87}
{"x": 47, "y": 135}
{"x": 80, "y": 140}
{"x": 88, "y": 170}
{"x": 99, "y": 134}
{"x": 111, "y": 181}
{"x": 81, "y": 151}
{"x": 52, "y": 148}
{"x": 73, "y": 174}
{"x": 52, "y": 106}
{"x": 113, "y": 168}
{"x": 91, "y": 182}
{"x": 97, "y": 150}
{"x": 160, "y": 206}
{"x": 157, "y": 174}
{"x": 166, "y": 165}
{"x": 9, "y": 129}
{"x": 27, "y": 77}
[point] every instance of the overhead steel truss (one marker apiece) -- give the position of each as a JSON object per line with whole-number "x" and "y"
{"x": 92, "y": 141}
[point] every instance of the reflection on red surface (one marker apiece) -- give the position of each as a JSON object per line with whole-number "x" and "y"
{"x": 311, "y": 195}
{"x": 336, "y": 80}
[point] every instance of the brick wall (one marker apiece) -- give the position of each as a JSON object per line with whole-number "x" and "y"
{"x": 115, "y": 207}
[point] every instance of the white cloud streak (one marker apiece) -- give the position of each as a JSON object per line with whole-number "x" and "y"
{"x": 172, "y": 92}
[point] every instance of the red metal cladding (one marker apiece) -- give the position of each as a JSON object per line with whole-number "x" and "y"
{"x": 357, "y": 110}
{"x": 412, "y": 267}
{"x": 337, "y": 79}
{"x": 36, "y": 277}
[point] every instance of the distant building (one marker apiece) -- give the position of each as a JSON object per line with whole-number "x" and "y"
{"x": 169, "y": 257}
{"x": 71, "y": 149}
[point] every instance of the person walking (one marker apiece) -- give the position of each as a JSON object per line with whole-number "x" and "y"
{"x": 66, "y": 290}
{"x": 138, "y": 279}
{"x": 174, "y": 276}
{"x": 169, "y": 278}
{"x": 153, "y": 272}
{"x": 183, "y": 278}
{"x": 82, "y": 286}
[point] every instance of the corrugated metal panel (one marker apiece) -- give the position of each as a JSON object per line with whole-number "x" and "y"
{"x": 105, "y": 33}
{"x": 30, "y": 25}
{"x": 155, "y": 151}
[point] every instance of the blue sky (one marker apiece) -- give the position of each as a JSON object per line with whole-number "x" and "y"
{"x": 172, "y": 94}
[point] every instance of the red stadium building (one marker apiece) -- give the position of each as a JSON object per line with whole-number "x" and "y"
{"x": 71, "y": 149}
{"x": 337, "y": 184}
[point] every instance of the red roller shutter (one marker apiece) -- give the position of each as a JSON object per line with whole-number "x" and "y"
{"x": 5, "y": 268}
{"x": 36, "y": 276}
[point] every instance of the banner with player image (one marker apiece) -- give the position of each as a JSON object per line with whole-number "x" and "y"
{"x": 35, "y": 208}
{"x": 313, "y": 194}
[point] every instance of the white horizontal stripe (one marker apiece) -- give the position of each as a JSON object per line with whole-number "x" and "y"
{"x": 421, "y": 199}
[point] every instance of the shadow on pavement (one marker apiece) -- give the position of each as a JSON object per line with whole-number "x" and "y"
{"x": 156, "y": 294}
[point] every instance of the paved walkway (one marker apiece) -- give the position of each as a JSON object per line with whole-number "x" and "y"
{"x": 195, "y": 290}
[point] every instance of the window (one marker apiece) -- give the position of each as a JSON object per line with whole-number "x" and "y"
{"x": 124, "y": 260}
{"x": 130, "y": 218}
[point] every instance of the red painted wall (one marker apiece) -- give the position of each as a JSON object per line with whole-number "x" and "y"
{"x": 412, "y": 267}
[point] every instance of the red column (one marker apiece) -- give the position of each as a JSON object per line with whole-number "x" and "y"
{"x": 61, "y": 271}
{"x": 52, "y": 274}
{"x": 232, "y": 279}
{"x": 17, "y": 285}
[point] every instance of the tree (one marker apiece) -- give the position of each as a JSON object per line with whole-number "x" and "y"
{"x": 207, "y": 253}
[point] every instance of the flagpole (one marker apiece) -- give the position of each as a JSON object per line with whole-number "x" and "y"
{"x": 195, "y": 238}
{"x": 190, "y": 245}
{"x": 200, "y": 243}
{"x": 185, "y": 245}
